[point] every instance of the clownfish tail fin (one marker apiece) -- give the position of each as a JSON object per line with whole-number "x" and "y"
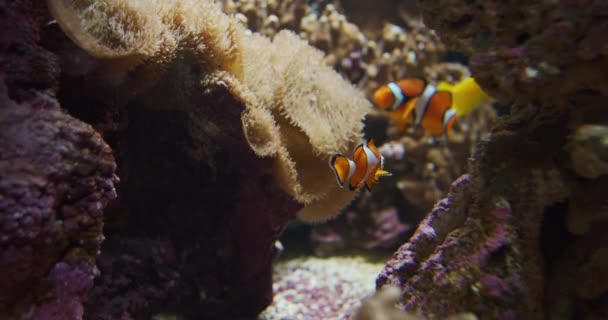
{"x": 445, "y": 86}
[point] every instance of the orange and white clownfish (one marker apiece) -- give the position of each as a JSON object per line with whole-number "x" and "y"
{"x": 413, "y": 100}
{"x": 366, "y": 168}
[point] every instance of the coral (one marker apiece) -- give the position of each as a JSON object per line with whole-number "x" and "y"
{"x": 382, "y": 306}
{"x": 470, "y": 251}
{"x": 422, "y": 169}
{"x": 51, "y": 208}
{"x": 387, "y": 50}
{"x": 510, "y": 229}
{"x": 554, "y": 49}
{"x": 57, "y": 176}
{"x": 221, "y": 137}
{"x": 302, "y": 106}
{"x": 137, "y": 273}
{"x": 233, "y": 58}
{"x": 378, "y": 230}
{"x": 69, "y": 285}
{"x": 588, "y": 147}
{"x": 315, "y": 288}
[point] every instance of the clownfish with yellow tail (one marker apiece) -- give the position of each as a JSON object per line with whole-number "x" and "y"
{"x": 412, "y": 100}
{"x": 366, "y": 168}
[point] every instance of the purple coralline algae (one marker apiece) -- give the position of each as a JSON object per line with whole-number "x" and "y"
{"x": 352, "y": 231}
{"x": 56, "y": 178}
{"x": 521, "y": 235}
{"x": 217, "y": 150}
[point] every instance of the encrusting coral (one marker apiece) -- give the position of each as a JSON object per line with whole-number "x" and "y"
{"x": 220, "y": 137}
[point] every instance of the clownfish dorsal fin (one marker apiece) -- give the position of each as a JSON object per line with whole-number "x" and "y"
{"x": 411, "y": 87}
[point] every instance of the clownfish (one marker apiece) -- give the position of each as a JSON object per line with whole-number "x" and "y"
{"x": 366, "y": 168}
{"x": 467, "y": 95}
{"x": 413, "y": 100}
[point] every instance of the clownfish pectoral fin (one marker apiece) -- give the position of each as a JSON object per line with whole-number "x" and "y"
{"x": 407, "y": 117}
{"x": 383, "y": 173}
{"x": 412, "y": 87}
{"x": 375, "y": 178}
{"x": 343, "y": 168}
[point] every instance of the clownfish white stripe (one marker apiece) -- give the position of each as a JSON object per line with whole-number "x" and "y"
{"x": 423, "y": 102}
{"x": 365, "y": 168}
{"x": 398, "y": 94}
{"x": 372, "y": 161}
{"x": 447, "y": 116}
{"x": 352, "y": 167}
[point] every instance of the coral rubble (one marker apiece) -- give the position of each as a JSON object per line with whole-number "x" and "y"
{"x": 520, "y": 235}
{"x": 315, "y": 288}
